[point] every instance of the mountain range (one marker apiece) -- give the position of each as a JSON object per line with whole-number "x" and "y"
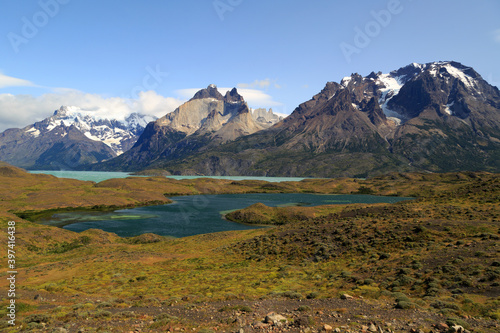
{"x": 205, "y": 122}
{"x": 435, "y": 117}
{"x": 70, "y": 138}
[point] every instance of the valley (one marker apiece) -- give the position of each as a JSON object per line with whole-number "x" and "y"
{"x": 408, "y": 265}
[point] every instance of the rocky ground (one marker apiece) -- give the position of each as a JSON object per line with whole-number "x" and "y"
{"x": 344, "y": 314}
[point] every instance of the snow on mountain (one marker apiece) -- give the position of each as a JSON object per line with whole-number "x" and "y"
{"x": 119, "y": 135}
{"x": 389, "y": 85}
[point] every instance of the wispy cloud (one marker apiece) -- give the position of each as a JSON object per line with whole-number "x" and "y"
{"x": 262, "y": 84}
{"x": 254, "y": 97}
{"x": 9, "y": 81}
{"x": 496, "y": 35}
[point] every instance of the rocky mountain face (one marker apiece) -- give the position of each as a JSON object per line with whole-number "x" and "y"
{"x": 440, "y": 116}
{"x": 70, "y": 138}
{"x": 265, "y": 117}
{"x": 207, "y": 120}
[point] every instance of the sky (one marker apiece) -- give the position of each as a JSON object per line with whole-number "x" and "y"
{"x": 150, "y": 56}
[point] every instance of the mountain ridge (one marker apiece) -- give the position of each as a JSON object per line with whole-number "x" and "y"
{"x": 207, "y": 120}
{"x": 434, "y": 117}
{"x": 69, "y": 138}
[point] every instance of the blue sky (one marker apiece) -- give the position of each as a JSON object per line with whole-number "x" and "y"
{"x": 150, "y": 56}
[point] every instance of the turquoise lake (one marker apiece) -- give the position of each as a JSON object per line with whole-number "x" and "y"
{"x": 99, "y": 176}
{"x": 197, "y": 214}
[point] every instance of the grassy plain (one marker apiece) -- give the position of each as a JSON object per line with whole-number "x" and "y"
{"x": 421, "y": 262}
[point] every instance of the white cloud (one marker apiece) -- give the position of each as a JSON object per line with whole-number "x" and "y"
{"x": 262, "y": 84}
{"x": 254, "y": 97}
{"x": 258, "y": 98}
{"x": 496, "y": 35}
{"x": 17, "y": 111}
{"x": 188, "y": 93}
{"x": 153, "y": 104}
{"x": 9, "y": 81}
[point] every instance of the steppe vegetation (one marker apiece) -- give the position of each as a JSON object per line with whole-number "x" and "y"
{"x": 424, "y": 264}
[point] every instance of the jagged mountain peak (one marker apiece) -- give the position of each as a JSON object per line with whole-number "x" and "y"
{"x": 439, "y": 116}
{"x": 441, "y": 77}
{"x": 232, "y": 96}
{"x": 119, "y": 135}
{"x": 64, "y": 110}
{"x": 209, "y": 92}
{"x": 205, "y": 121}
{"x": 208, "y": 112}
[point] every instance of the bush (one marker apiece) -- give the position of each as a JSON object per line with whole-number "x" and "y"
{"x": 400, "y": 297}
{"x": 37, "y": 318}
{"x": 368, "y": 282}
{"x": 304, "y": 308}
{"x": 444, "y": 305}
{"x": 312, "y": 295}
{"x": 104, "y": 305}
{"x": 102, "y": 314}
{"x": 292, "y": 294}
{"x": 406, "y": 305}
{"x": 456, "y": 321}
{"x": 384, "y": 256}
{"x": 125, "y": 314}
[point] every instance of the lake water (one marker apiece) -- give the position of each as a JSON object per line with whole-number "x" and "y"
{"x": 99, "y": 176}
{"x": 197, "y": 214}
{"x": 95, "y": 176}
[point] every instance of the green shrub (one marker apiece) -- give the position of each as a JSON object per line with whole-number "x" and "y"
{"x": 125, "y": 314}
{"x": 406, "y": 305}
{"x": 312, "y": 295}
{"x": 304, "y": 308}
{"x": 445, "y": 305}
{"x": 102, "y": 314}
{"x": 292, "y": 294}
{"x": 37, "y": 318}
{"x": 456, "y": 321}
{"x": 104, "y": 305}
{"x": 166, "y": 316}
{"x": 400, "y": 297}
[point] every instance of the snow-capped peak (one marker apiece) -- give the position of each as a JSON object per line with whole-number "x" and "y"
{"x": 467, "y": 80}
{"x": 453, "y": 69}
{"x": 345, "y": 81}
{"x": 119, "y": 135}
{"x": 387, "y": 86}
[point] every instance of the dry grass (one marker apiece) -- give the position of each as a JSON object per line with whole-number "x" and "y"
{"x": 439, "y": 253}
